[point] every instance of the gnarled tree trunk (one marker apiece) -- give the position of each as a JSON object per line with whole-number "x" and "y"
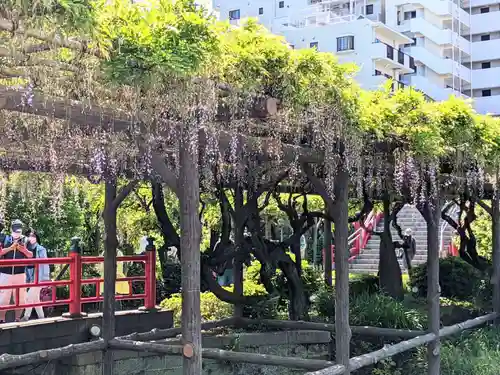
{"x": 389, "y": 270}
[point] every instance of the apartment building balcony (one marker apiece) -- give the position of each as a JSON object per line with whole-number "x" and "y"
{"x": 442, "y": 8}
{"x": 485, "y": 78}
{"x": 429, "y": 88}
{"x": 488, "y": 104}
{"x": 317, "y": 19}
{"x": 443, "y": 37}
{"x": 440, "y": 65}
{"x": 485, "y": 23}
{"x": 477, "y": 3}
{"x": 392, "y": 58}
{"x": 487, "y": 50}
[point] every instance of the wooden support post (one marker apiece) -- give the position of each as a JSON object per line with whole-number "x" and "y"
{"x": 495, "y": 277}
{"x": 239, "y": 234}
{"x": 433, "y": 211}
{"x": 190, "y": 245}
{"x": 315, "y": 242}
{"x": 110, "y": 245}
{"x": 341, "y": 222}
{"x": 327, "y": 256}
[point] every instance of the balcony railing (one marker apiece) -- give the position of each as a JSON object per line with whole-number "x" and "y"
{"x": 401, "y": 57}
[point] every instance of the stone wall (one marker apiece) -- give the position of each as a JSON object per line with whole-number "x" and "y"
{"x": 303, "y": 344}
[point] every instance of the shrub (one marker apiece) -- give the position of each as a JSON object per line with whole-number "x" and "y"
{"x": 324, "y": 303}
{"x": 376, "y": 310}
{"x": 213, "y": 308}
{"x": 364, "y": 284}
{"x": 472, "y": 353}
{"x": 458, "y": 280}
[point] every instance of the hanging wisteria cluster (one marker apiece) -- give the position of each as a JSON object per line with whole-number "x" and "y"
{"x": 106, "y": 105}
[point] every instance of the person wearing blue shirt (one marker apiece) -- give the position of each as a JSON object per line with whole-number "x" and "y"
{"x": 33, "y": 295}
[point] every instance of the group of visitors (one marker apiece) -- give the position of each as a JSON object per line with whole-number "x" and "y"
{"x": 21, "y": 245}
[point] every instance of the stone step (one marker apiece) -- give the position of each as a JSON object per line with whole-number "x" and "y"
{"x": 362, "y": 259}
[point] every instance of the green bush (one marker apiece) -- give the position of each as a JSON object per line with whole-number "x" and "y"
{"x": 358, "y": 285}
{"x": 362, "y": 284}
{"x": 376, "y": 310}
{"x": 472, "y": 353}
{"x": 213, "y": 308}
{"x": 458, "y": 280}
{"x": 476, "y": 353}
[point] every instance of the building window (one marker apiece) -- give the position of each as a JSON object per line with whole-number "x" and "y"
{"x": 313, "y": 45}
{"x": 345, "y": 43}
{"x": 234, "y": 14}
{"x": 410, "y": 15}
{"x": 412, "y": 64}
{"x": 486, "y": 65}
{"x": 261, "y": 10}
{"x": 369, "y": 9}
{"x": 292, "y": 46}
{"x": 281, "y": 4}
{"x": 485, "y": 10}
{"x": 390, "y": 52}
{"x": 401, "y": 57}
{"x": 485, "y": 37}
{"x": 486, "y": 92}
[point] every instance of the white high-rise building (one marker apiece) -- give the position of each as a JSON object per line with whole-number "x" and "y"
{"x": 440, "y": 47}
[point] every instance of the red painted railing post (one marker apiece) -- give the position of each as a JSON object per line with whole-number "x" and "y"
{"x": 75, "y": 276}
{"x": 150, "y": 273}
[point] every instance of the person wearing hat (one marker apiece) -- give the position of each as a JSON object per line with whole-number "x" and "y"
{"x": 14, "y": 247}
{"x": 33, "y": 295}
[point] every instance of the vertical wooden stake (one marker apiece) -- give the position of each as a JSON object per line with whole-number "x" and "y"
{"x": 495, "y": 278}
{"x": 110, "y": 245}
{"x": 341, "y": 222}
{"x": 238, "y": 241}
{"x": 315, "y": 243}
{"x": 327, "y": 245}
{"x": 433, "y": 210}
{"x": 190, "y": 245}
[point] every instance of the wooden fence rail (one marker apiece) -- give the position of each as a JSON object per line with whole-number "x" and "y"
{"x": 320, "y": 367}
{"x": 372, "y": 358}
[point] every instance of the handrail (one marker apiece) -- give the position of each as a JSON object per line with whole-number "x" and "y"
{"x": 444, "y": 225}
{"x": 75, "y": 282}
{"x": 357, "y": 240}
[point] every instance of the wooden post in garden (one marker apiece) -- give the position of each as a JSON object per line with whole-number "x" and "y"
{"x": 112, "y": 201}
{"x": 110, "y": 245}
{"x": 495, "y": 218}
{"x": 315, "y": 242}
{"x": 433, "y": 214}
{"x": 341, "y": 222}
{"x": 238, "y": 240}
{"x": 190, "y": 245}
{"x": 327, "y": 256}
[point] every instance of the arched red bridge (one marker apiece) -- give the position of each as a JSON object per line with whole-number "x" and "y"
{"x": 76, "y": 281}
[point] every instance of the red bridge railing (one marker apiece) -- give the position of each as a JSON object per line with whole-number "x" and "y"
{"x": 76, "y": 281}
{"x": 358, "y": 240}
